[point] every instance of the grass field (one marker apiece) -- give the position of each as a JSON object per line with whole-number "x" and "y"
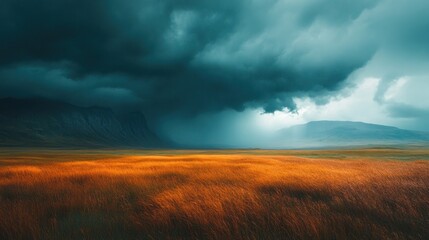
{"x": 134, "y": 194}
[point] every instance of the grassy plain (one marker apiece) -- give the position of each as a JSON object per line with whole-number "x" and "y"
{"x": 236, "y": 194}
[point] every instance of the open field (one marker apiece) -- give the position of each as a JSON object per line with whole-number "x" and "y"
{"x": 258, "y": 194}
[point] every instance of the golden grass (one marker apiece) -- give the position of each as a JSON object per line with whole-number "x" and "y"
{"x": 200, "y": 195}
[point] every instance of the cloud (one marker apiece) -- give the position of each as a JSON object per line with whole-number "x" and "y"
{"x": 54, "y": 82}
{"x": 399, "y": 104}
{"x": 195, "y": 55}
{"x": 185, "y": 58}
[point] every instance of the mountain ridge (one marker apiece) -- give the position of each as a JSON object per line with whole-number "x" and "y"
{"x": 42, "y": 122}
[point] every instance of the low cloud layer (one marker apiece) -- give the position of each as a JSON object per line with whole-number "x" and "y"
{"x": 183, "y": 59}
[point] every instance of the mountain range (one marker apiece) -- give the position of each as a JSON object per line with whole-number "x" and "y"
{"x": 47, "y": 123}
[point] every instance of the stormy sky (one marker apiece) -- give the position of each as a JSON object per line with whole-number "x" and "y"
{"x": 223, "y": 71}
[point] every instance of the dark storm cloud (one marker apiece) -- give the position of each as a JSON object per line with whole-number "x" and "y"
{"x": 52, "y": 81}
{"x": 182, "y": 56}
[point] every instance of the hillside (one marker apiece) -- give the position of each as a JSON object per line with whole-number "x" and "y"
{"x": 345, "y": 133}
{"x": 42, "y": 122}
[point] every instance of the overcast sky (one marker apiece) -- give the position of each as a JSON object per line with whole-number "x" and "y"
{"x": 223, "y": 71}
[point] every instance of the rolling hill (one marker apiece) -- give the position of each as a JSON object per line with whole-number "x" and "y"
{"x": 345, "y": 133}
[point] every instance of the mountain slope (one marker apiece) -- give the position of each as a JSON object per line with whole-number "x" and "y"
{"x": 41, "y": 122}
{"x": 344, "y": 133}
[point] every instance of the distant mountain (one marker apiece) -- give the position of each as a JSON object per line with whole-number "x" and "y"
{"x": 47, "y": 123}
{"x": 344, "y": 133}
